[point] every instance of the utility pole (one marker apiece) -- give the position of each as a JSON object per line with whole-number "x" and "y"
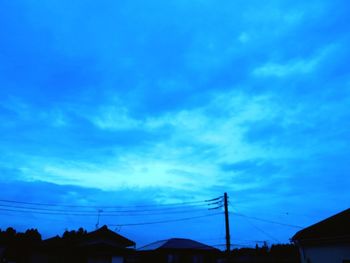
{"x": 227, "y": 225}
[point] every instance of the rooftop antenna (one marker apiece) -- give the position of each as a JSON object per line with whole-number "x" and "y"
{"x": 99, "y": 211}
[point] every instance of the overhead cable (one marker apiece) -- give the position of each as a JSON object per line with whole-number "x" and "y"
{"x": 165, "y": 221}
{"x": 103, "y": 206}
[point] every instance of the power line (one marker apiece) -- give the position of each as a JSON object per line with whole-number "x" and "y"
{"x": 165, "y": 221}
{"x": 266, "y": 220}
{"x": 106, "y": 207}
{"x": 214, "y": 199}
{"x": 102, "y": 213}
{"x": 49, "y": 213}
{"x": 119, "y": 212}
{"x": 50, "y": 209}
{"x": 262, "y": 231}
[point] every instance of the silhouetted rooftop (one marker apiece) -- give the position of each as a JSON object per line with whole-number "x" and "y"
{"x": 176, "y": 243}
{"x": 334, "y": 228}
{"x": 104, "y": 233}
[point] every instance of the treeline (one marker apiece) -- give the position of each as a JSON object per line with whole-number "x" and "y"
{"x": 19, "y": 246}
{"x": 16, "y": 246}
{"x": 32, "y": 236}
{"x": 10, "y": 236}
{"x": 278, "y": 253}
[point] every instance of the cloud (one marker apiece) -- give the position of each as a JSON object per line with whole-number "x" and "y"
{"x": 251, "y": 167}
{"x": 293, "y": 67}
{"x": 184, "y": 99}
{"x": 139, "y": 152}
{"x": 115, "y": 118}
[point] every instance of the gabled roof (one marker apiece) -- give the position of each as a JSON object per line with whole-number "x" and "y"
{"x": 177, "y": 243}
{"x": 333, "y": 229}
{"x": 104, "y": 234}
{"x": 101, "y": 236}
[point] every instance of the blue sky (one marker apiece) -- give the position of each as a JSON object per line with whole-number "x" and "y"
{"x": 155, "y": 102}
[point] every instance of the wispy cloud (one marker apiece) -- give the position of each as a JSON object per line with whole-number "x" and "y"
{"x": 293, "y": 67}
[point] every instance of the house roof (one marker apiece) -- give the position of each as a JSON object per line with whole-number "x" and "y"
{"x": 100, "y": 236}
{"x": 104, "y": 233}
{"x": 176, "y": 243}
{"x": 334, "y": 228}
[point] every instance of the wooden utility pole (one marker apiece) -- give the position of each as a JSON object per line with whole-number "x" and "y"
{"x": 227, "y": 225}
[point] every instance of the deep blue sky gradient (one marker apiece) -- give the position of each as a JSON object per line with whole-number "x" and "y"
{"x": 148, "y": 102}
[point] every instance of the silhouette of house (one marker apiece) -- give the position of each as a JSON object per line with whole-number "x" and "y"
{"x": 104, "y": 245}
{"x": 99, "y": 246}
{"x": 326, "y": 241}
{"x": 178, "y": 250}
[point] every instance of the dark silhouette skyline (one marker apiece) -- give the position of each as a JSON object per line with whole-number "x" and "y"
{"x": 104, "y": 245}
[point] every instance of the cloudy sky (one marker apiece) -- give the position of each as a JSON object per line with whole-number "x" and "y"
{"x": 124, "y": 103}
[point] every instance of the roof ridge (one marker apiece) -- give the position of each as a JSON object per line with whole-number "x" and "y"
{"x": 323, "y": 224}
{"x": 155, "y": 242}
